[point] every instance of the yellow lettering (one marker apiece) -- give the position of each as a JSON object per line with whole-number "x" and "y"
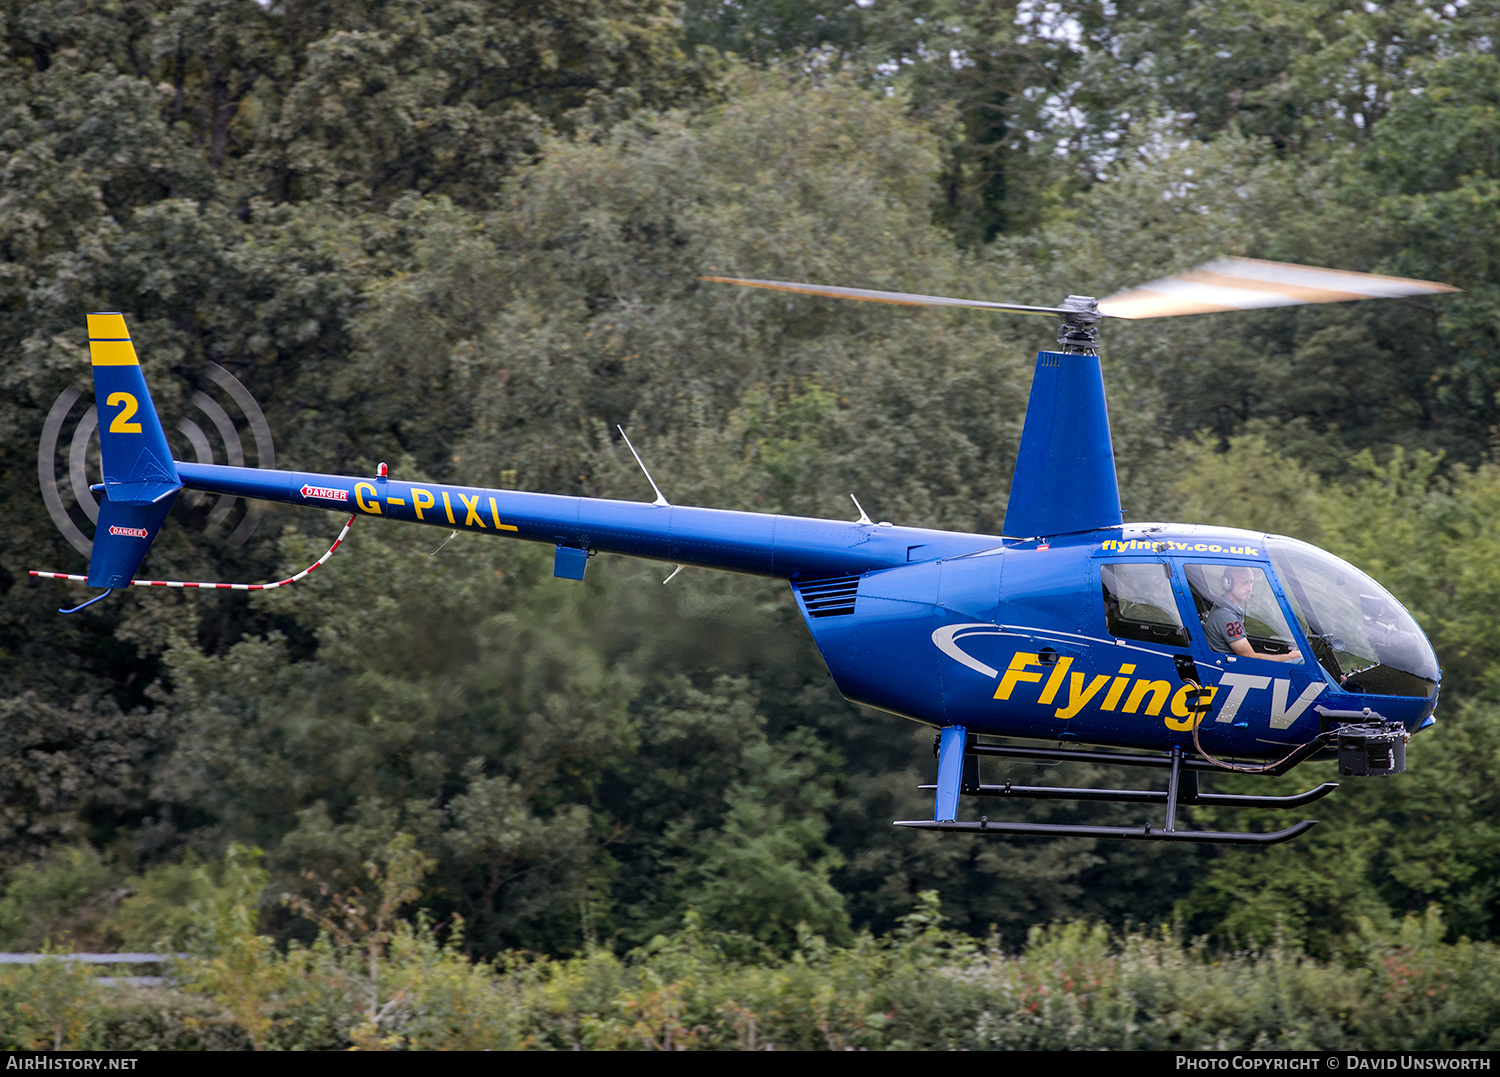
{"x": 448, "y": 507}
{"x": 1016, "y": 673}
{"x": 1159, "y": 691}
{"x": 1116, "y": 690}
{"x": 473, "y": 507}
{"x": 495, "y": 516}
{"x": 359, "y": 495}
{"x": 1184, "y": 720}
{"x": 421, "y": 499}
{"x": 395, "y": 501}
{"x": 1054, "y": 682}
{"x": 128, "y": 404}
{"x": 1079, "y": 696}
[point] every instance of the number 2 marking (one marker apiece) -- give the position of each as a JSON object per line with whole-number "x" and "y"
{"x": 121, "y": 423}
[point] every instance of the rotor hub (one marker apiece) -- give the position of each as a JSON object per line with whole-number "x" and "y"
{"x": 1079, "y": 332}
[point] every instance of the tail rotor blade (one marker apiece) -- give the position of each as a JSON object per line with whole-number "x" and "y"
{"x": 1251, "y": 284}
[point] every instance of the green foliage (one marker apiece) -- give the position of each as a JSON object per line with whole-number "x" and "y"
{"x": 766, "y": 871}
{"x": 156, "y": 911}
{"x": 467, "y": 240}
{"x": 1432, "y": 168}
{"x": 47, "y": 1006}
{"x": 763, "y": 30}
{"x": 238, "y": 969}
{"x": 49, "y": 901}
{"x": 1299, "y": 74}
{"x": 78, "y": 899}
{"x": 66, "y": 760}
{"x": 1072, "y": 986}
{"x": 987, "y": 74}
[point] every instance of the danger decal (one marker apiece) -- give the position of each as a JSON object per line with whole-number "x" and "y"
{"x": 327, "y": 493}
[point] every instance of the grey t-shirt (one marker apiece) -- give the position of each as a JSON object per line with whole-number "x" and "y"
{"x": 1224, "y": 624}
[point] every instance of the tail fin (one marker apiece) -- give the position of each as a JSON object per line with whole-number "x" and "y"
{"x": 140, "y": 477}
{"x": 1065, "y": 472}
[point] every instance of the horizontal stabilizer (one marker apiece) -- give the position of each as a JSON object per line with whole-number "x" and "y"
{"x": 140, "y": 493}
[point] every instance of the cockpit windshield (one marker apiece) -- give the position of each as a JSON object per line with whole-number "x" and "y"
{"x": 1360, "y": 634}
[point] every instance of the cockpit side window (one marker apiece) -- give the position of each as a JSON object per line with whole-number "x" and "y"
{"x": 1235, "y": 602}
{"x": 1139, "y": 603}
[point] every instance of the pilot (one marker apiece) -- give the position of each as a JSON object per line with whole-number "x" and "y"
{"x": 1225, "y": 624}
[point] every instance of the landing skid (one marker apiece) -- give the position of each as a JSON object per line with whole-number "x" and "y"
{"x": 1188, "y": 795}
{"x": 1146, "y": 833}
{"x": 958, "y": 775}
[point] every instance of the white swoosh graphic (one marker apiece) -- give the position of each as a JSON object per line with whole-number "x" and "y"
{"x": 946, "y": 641}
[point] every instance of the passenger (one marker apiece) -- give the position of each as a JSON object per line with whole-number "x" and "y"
{"x": 1225, "y": 623}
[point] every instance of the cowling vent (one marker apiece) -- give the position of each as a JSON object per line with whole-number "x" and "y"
{"x": 830, "y": 596}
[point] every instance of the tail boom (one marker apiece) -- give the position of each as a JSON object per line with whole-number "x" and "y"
{"x": 759, "y": 544}
{"x": 142, "y": 480}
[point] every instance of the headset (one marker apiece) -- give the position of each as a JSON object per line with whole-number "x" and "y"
{"x": 1226, "y": 578}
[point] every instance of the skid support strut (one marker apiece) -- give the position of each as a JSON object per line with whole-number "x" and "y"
{"x": 950, "y": 772}
{"x": 1172, "y": 785}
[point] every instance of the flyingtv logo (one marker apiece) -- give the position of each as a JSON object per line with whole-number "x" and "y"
{"x": 1060, "y": 684}
{"x": 132, "y": 532}
{"x": 1108, "y": 691}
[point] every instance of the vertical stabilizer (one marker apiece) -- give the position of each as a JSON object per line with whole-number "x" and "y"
{"x": 1065, "y": 473}
{"x": 140, "y": 477}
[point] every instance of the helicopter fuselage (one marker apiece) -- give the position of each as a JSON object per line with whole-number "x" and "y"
{"x": 1016, "y": 640}
{"x": 1001, "y": 636}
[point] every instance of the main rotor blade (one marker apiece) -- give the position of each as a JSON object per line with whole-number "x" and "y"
{"x": 906, "y": 299}
{"x": 1249, "y": 284}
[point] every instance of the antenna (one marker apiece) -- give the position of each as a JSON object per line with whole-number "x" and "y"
{"x": 864, "y": 517}
{"x": 660, "y": 500}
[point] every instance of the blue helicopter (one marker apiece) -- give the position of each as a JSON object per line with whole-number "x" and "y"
{"x": 1178, "y": 647}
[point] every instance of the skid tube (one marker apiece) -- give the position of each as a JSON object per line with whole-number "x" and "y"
{"x": 1139, "y": 833}
{"x": 1187, "y": 795}
{"x": 1182, "y": 789}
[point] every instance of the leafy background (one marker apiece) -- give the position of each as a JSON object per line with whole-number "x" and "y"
{"x": 465, "y": 238}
